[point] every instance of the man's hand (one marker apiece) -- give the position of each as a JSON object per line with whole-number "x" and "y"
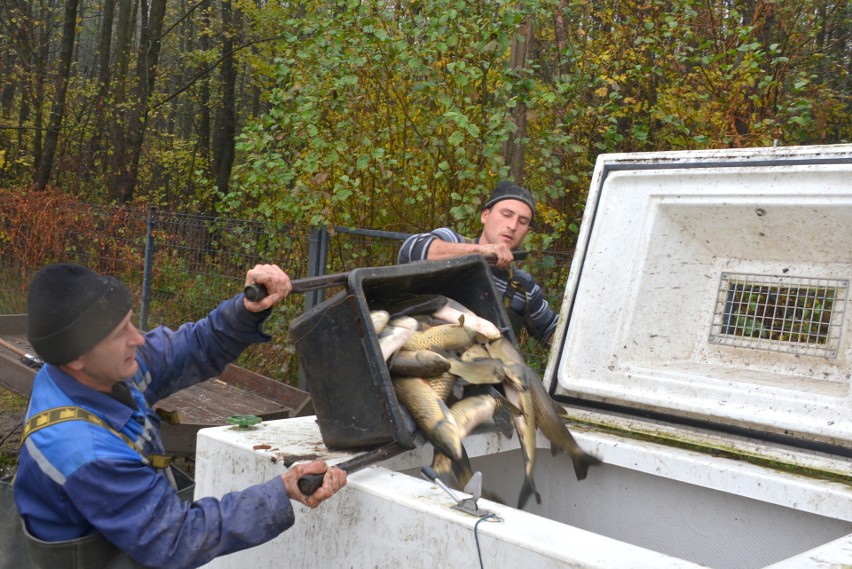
{"x": 334, "y": 480}
{"x": 276, "y": 282}
{"x": 500, "y": 252}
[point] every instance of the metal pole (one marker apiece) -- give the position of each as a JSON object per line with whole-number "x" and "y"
{"x": 317, "y": 257}
{"x": 147, "y": 269}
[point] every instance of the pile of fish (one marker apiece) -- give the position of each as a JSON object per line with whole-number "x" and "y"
{"x": 454, "y": 371}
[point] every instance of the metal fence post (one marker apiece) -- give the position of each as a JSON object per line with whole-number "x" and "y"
{"x": 317, "y": 258}
{"x": 147, "y": 269}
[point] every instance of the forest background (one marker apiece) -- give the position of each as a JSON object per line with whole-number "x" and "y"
{"x": 399, "y": 116}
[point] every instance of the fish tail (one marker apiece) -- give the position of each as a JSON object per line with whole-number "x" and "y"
{"x": 582, "y": 462}
{"x": 528, "y": 489}
{"x": 444, "y": 468}
{"x": 462, "y": 469}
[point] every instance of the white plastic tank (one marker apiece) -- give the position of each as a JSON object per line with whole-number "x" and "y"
{"x": 703, "y": 354}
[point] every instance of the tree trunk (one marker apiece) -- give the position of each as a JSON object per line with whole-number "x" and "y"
{"x": 513, "y": 149}
{"x": 223, "y": 143}
{"x": 204, "y": 99}
{"x": 100, "y": 107}
{"x": 57, "y": 111}
{"x": 143, "y": 85}
{"x": 118, "y": 140}
{"x": 38, "y": 67}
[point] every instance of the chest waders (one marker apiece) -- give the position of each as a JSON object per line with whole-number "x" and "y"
{"x": 91, "y": 551}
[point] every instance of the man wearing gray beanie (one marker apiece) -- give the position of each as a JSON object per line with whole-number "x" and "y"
{"x": 506, "y": 218}
{"x": 93, "y": 486}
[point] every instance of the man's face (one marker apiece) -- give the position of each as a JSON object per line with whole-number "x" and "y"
{"x": 111, "y": 360}
{"x": 507, "y": 222}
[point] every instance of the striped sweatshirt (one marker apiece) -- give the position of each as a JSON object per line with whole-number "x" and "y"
{"x": 530, "y": 309}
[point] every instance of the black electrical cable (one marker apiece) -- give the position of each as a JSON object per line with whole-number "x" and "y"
{"x": 476, "y": 536}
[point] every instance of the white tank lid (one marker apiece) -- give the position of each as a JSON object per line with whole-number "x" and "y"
{"x": 714, "y": 286}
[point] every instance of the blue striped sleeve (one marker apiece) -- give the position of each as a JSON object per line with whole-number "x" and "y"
{"x": 416, "y": 247}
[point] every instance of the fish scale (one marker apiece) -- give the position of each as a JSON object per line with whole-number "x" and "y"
{"x": 451, "y": 337}
{"x": 430, "y": 413}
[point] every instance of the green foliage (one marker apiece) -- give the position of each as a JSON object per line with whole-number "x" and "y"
{"x": 395, "y": 116}
{"x": 398, "y": 121}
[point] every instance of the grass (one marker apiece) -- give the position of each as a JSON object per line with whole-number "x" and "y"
{"x": 11, "y": 401}
{"x": 13, "y": 299}
{"x": 12, "y": 407}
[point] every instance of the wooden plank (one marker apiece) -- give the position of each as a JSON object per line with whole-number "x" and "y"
{"x": 14, "y": 325}
{"x": 15, "y": 376}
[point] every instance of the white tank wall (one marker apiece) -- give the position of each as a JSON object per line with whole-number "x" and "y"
{"x": 683, "y": 520}
{"x": 648, "y": 506}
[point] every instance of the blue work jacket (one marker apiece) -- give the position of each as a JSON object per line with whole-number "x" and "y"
{"x": 76, "y": 478}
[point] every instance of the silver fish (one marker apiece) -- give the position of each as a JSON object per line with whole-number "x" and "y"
{"x": 547, "y": 417}
{"x": 430, "y": 414}
{"x": 409, "y": 304}
{"x": 450, "y": 337}
{"x": 479, "y": 371}
{"x": 525, "y": 425}
{"x": 453, "y": 310}
{"x": 420, "y": 363}
{"x": 380, "y": 319}
{"x": 479, "y": 409}
{"x": 552, "y": 426}
{"x": 397, "y": 332}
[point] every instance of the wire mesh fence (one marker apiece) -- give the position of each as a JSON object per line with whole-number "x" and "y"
{"x": 180, "y": 266}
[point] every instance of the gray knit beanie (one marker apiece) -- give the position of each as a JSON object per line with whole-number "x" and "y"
{"x": 70, "y": 309}
{"x": 507, "y": 190}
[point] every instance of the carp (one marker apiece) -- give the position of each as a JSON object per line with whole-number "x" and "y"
{"x": 453, "y": 311}
{"x": 431, "y": 415}
{"x": 419, "y": 363}
{"x": 449, "y": 337}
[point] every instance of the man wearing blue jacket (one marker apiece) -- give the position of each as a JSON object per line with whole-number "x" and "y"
{"x": 506, "y": 218}
{"x": 92, "y": 484}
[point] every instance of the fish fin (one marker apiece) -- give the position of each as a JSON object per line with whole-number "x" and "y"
{"x": 527, "y": 490}
{"x": 479, "y": 371}
{"x": 504, "y": 422}
{"x": 582, "y": 464}
{"x": 462, "y": 469}
{"x": 444, "y": 468}
{"x": 503, "y": 403}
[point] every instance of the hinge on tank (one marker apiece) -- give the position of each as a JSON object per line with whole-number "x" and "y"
{"x": 466, "y": 505}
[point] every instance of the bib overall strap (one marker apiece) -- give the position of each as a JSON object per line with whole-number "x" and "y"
{"x": 72, "y": 413}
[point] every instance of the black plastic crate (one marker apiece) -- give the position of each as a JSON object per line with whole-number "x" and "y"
{"x": 339, "y": 354}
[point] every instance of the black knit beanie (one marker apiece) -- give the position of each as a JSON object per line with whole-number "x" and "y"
{"x": 507, "y": 190}
{"x": 70, "y": 309}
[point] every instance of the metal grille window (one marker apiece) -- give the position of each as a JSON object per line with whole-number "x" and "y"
{"x": 786, "y": 314}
